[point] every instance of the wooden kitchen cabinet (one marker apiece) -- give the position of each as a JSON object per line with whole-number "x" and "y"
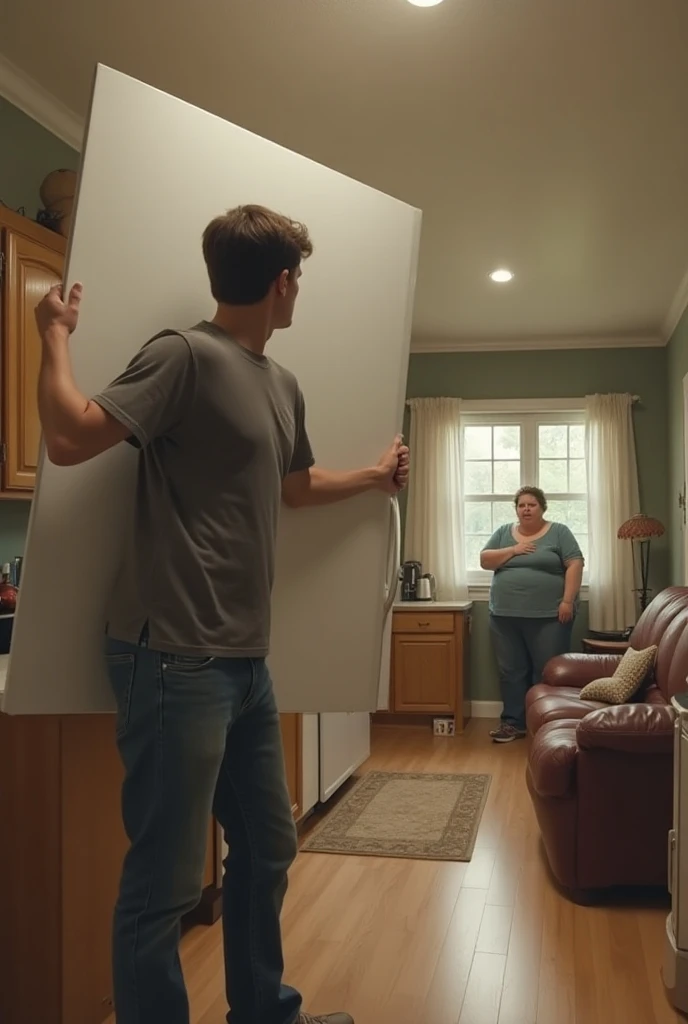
{"x": 291, "y": 726}
{"x": 425, "y": 674}
{"x": 429, "y": 664}
{"x": 61, "y": 847}
{"x": 31, "y": 262}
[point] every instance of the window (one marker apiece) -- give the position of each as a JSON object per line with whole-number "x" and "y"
{"x": 504, "y": 452}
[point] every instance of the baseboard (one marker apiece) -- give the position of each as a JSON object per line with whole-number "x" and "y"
{"x": 387, "y": 718}
{"x": 486, "y": 708}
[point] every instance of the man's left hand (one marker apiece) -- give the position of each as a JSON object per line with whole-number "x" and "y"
{"x": 394, "y": 467}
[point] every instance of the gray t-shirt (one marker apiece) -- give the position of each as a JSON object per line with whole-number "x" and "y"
{"x": 532, "y": 586}
{"x": 219, "y": 428}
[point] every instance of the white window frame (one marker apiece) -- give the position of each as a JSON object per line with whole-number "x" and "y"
{"x": 529, "y": 415}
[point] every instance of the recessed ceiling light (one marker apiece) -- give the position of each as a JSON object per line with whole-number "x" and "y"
{"x": 425, "y": 3}
{"x": 501, "y": 276}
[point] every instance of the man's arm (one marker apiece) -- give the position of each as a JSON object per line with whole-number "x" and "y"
{"x": 75, "y": 429}
{"x": 149, "y": 399}
{"x": 315, "y": 486}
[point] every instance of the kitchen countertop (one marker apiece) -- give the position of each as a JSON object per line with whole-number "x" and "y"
{"x": 432, "y": 606}
{"x": 399, "y": 606}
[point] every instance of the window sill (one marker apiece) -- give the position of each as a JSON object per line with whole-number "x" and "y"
{"x": 481, "y": 592}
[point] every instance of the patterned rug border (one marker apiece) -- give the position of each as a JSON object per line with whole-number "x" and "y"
{"x": 456, "y": 844}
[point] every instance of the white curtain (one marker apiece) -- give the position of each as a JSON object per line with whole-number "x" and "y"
{"x": 434, "y": 521}
{"x": 612, "y": 499}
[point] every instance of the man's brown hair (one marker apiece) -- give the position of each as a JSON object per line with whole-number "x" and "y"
{"x": 247, "y": 248}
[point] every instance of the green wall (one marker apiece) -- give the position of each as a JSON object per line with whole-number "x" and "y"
{"x": 562, "y": 374}
{"x": 27, "y": 153}
{"x": 677, "y": 368}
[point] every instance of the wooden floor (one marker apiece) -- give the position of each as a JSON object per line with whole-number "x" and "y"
{"x": 490, "y": 942}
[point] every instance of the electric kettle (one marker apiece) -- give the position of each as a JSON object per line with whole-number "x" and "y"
{"x": 426, "y": 588}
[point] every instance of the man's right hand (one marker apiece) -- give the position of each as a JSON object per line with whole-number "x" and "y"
{"x": 53, "y": 312}
{"x": 524, "y": 547}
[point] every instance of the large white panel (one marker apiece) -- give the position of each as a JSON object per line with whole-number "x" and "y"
{"x": 155, "y": 171}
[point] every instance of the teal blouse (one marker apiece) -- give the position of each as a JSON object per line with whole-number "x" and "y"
{"x": 532, "y": 586}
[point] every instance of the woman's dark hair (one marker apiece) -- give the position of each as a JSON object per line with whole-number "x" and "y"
{"x": 534, "y": 492}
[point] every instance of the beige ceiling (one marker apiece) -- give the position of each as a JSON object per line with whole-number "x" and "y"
{"x": 548, "y": 136}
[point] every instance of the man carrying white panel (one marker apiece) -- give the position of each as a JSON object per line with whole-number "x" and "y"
{"x": 222, "y": 438}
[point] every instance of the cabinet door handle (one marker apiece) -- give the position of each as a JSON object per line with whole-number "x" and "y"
{"x": 423, "y": 625}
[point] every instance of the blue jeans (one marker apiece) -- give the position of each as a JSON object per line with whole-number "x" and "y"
{"x": 199, "y": 736}
{"x": 522, "y": 648}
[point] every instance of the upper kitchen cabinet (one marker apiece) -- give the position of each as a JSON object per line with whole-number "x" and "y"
{"x": 31, "y": 262}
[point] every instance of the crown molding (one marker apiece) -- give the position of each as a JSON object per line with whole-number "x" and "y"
{"x": 24, "y": 92}
{"x": 676, "y": 309}
{"x": 422, "y": 345}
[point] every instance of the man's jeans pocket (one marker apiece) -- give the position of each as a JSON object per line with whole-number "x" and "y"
{"x": 184, "y": 663}
{"x": 121, "y": 669}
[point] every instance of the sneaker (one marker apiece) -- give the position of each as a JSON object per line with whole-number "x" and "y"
{"x": 329, "y": 1018}
{"x": 507, "y": 734}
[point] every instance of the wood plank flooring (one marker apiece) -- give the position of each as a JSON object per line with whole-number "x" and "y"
{"x": 490, "y": 942}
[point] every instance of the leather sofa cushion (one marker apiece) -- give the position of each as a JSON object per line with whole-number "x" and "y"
{"x": 552, "y": 703}
{"x": 552, "y": 759}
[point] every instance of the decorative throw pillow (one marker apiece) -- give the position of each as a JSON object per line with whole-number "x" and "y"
{"x": 626, "y": 680}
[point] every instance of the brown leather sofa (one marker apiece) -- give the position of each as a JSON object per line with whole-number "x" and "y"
{"x": 600, "y": 776}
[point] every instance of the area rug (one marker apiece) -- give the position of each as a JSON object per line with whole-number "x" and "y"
{"x": 411, "y": 815}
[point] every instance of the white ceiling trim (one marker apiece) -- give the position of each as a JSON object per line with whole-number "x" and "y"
{"x": 419, "y": 345}
{"x": 35, "y": 101}
{"x": 677, "y": 309}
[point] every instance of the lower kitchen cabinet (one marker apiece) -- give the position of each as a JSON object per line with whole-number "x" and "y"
{"x": 61, "y": 848}
{"x": 425, "y": 674}
{"x": 429, "y": 665}
{"x": 291, "y": 726}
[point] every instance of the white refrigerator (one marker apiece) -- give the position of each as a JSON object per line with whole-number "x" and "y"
{"x": 155, "y": 170}
{"x": 344, "y": 739}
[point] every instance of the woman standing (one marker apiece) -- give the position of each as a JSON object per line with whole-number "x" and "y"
{"x": 538, "y": 568}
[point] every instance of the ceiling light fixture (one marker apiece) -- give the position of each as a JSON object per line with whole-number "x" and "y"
{"x": 501, "y": 276}
{"x": 425, "y": 3}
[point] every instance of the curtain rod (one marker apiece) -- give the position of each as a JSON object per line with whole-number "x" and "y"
{"x": 507, "y": 401}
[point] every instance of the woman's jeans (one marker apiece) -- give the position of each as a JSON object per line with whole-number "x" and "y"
{"x": 522, "y": 648}
{"x": 199, "y": 736}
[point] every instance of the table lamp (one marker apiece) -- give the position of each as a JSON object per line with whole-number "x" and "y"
{"x": 640, "y": 529}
